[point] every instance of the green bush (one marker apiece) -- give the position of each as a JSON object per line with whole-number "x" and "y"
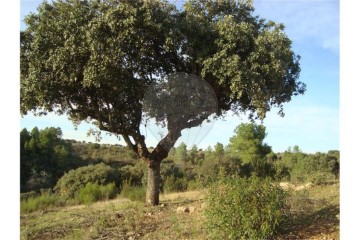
{"x": 27, "y": 195}
{"x": 42, "y": 202}
{"x": 133, "y": 174}
{"x": 168, "y": 169}
{"x": 207, "y": 171}
{"x": 173, "y": 184}
{"x": 299, "y": 201}
{"x": 244, "y": 208}
{"x": 38, "y": 180}
{"x": 318, "y": 168}
{"x": 194, "y": 185}
{"x": 94, "y": 192}
{"x": 321, "y": 177}
{"x": 70, "y": 184}
{"x": 134, "y": 193}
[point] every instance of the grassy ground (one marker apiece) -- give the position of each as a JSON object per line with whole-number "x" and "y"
{"x": 312, "y": 216}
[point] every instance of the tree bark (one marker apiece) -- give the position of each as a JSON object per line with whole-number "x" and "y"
{"x": 153, "y": 160}
{"x": 153, "y": 183}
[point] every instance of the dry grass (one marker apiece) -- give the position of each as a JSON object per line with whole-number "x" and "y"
{"x": 190, "y": 195}
{"x": 314, "y": 213}
{"x": 123, "y": 219}
{"x": 119, "y": 219}
{"x": 329, "y": 192}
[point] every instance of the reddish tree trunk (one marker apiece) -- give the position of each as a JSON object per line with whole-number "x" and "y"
{"x": 153, "y": 184}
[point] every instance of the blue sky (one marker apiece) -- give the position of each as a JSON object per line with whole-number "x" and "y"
{"x": 311, "y": 121}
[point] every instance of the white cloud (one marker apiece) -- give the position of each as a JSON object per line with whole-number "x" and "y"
{"x": 315, "y": 21}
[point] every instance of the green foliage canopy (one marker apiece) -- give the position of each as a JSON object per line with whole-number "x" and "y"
{"x": 44, "y": 157}
{"x": 181, "y": 152}
{"x": 248, "y": 142}
{"x": 93, "y": 60}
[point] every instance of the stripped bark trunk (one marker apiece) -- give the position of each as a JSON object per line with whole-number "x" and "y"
{"x": 153, "y": 184}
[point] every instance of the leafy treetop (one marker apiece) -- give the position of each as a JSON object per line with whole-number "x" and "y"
{"x": 93, "y": 60}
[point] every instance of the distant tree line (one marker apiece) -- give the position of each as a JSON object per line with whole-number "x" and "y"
{"x": 50, "y": 162}
{"x": 45, "y": 157}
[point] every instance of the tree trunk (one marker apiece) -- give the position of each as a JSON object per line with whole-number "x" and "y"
{"x": 153, "y": 184}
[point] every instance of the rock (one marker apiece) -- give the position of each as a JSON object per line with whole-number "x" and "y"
{"x": 182, "y": 209}
{"x": 301, "y": 187}
{"x": 185, "y": 209}
{"x": 192, "y": 209}
{"x": 162, "y": 205}
{"x": 285, "y": 185}
{"x": 203, "y": 205}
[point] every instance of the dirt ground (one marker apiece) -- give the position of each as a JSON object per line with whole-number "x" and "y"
{"x": 313, "y": 215}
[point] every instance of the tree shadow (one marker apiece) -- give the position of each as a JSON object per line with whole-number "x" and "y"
{"x": 304, "y": 225}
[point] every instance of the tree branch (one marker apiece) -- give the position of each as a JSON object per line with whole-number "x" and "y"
{"x": 141, "y": 146}
{"x": 130, "y": 144}
{"x": 162, "y": 149}
{"x": 194, "y": 123}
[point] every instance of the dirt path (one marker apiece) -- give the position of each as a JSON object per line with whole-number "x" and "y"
{"x": 288, "y": 185}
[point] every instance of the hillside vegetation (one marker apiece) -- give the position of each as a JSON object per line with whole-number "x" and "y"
{"x": 313, "y": 216}
{"x": 79, "y": 190}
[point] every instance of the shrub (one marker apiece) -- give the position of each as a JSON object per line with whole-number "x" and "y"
{"x": 282, "y": 172}
{"x": 321, "y": 177}
{"x": 244, "y": 208}
{"x": 70, "y": 184}
{"x": 299, "y": 201}
{"x": 94, "y": 192}
{"x": 173, "y": 184}
{"x": 39, "y": 180}
{"x": 207, "y": 171}
{"x": 27, "y": 195}
{"x": 134, "y": 193}
{"x": 133, "y": 174}
{"x": 168, "y": 169}
{"x": 318, "y": 168}
{"x": 194, "y": 185}
{"x": 42, "y": 202}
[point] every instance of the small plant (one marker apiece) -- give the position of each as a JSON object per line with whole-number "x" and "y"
{"x": 134, "y": 193}
{"x": 194, "y": 185}
{"x": 42, "y": 202}
{"x": 299, "y": 201}
{"x": 94, "y": 192}
{"x": 320, "y": 178}
{"x": 133, "y": 219}
{"x": 27, "y": 195}
{"x": 244, "y": 208}
{"x": 173, "y": 184}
